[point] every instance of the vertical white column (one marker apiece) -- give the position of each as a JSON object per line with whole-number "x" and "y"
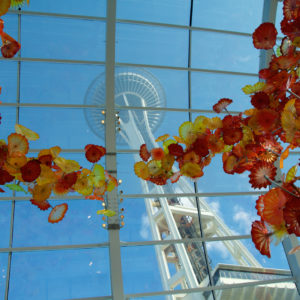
{"x": 111, "y": 163}
{"x": 269, "y": 15}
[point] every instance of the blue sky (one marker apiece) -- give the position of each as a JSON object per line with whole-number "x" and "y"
{"x": 67, "y": 83}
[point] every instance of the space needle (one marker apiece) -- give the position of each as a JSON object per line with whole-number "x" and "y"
{"x": 170, "y": 217}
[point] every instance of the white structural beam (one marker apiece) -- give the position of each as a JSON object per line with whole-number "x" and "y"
{"x": 111, "y": 163}
{"x": 269, "y": 15}
{"x": 294, "y": 260}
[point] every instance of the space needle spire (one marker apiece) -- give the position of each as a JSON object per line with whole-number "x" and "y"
{"x": 170, "y": 216}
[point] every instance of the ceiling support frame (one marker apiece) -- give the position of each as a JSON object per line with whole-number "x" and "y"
{"x": 269, "y": 15}
{"x": 111, "y": 161}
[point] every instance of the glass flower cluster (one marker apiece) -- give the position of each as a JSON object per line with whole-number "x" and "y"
{"x": 252, "y": 141}
{"x": 51, "y": 173}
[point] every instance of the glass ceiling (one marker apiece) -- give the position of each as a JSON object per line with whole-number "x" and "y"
{"x": 195, "y": 52}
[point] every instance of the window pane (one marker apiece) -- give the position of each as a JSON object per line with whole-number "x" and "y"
{"x": 60, "y": 126}
{"x": 219, "y": 51}
{"x": 8, "y": 75}
{"x": 59, "y": 274}
{"x": 208, "y": 88}
{"x": 168, "y": 123}
{"x": 59, "y": 38}
{"x": 231, "y": 15}
{"x": 151, "y": 45}
{"x": 160, "y": 219}
{"x": 81, "y": 224}
{"x": 5, "y": 213}
{"x": 9, "y": 117}
{"x": 216, "y": 180}
{"x": 62, "y": 83}
{"x": 3, "y": 270}
{"x": 11, "y": 25}
{"x": 90, "y": 8}
{"x": 157, "y": 268}
{"x": 167, "y": 11}
{"x": 150, "y": 87}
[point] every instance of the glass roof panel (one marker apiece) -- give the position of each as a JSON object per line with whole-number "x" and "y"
{"x": 238, "y": 213}
{"x": 10, "y": 24}
{"x": 139, "y": 222}
{"x": 61, "y": 38}
{"x": 169, "y": 123}
{"x": 62, "y": 83}
{"x": 219, "y": 51}
{"x": 81, "y": 222}
{"x": 8, "y": 75}
{"x": 95, "y": 8}
{"x": 167, "y": 11}
{"x": 233, "y": 15}
{"x": 207, "y": 88}
{"x": 9, "y": 117}
{"x": 143, "y": 278}
{"x": 60, "y": 274}
{"x": 153, "y": 45}
{"x": 3, "y": 269}
{"x": 58, "y": 125}
{"x": 5, "y": 214}
{"x": 216, "y": 180}
{"x": 172, "y": 84}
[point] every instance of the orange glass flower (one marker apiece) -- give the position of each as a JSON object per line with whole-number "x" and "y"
{"x": 93, "y": 153}
{"x": 17, "y": 143}
{"x": 31, "y": 170}
{"x": 58, "y": 213}
{"x": 261, "y": 238}
{"x": 264, "y": 36}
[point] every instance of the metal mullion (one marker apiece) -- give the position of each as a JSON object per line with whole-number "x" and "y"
{"x": 179, "y": 195}
{"x": 184, "y": 240}
{"x": 119, "y": 64}
{"x": 210, "y": 279}
{"x": 51, "y": 248}
{"x": 196, "y": 290}
{"x": 54, "y": 105}
{"x": 53, "y": 60}
{"x": 111, "y": 162}
{"x": 170, "y": 109}
{"x": 128, "y": 21}
{"x": 290, "y": 241}
{"x": 12, "y": 216}
{"x": 59, "y": 15}
{"x": 190, "y": 27}
{"x": 127, "y": 244}
{"x": 209, "y": 288}
{"x": 135, "y": 196}
{"x": 8, "y": 270}
{"x": 47, "y": 105}
{"x": 93, "y": 298}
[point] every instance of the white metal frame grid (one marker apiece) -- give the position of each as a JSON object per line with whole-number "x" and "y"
{"x": 114, "y": 242}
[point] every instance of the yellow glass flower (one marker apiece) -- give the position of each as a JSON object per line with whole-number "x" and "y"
{"x": 47, "y": 176}
{"x": 83, "y": 185}
{"x": 28, "y": 133}
{"x": 41, "y": 192}
{"x": 141, "y": 170}
{"x": 191, "y": 170}
{"x": 67, "y": 165}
